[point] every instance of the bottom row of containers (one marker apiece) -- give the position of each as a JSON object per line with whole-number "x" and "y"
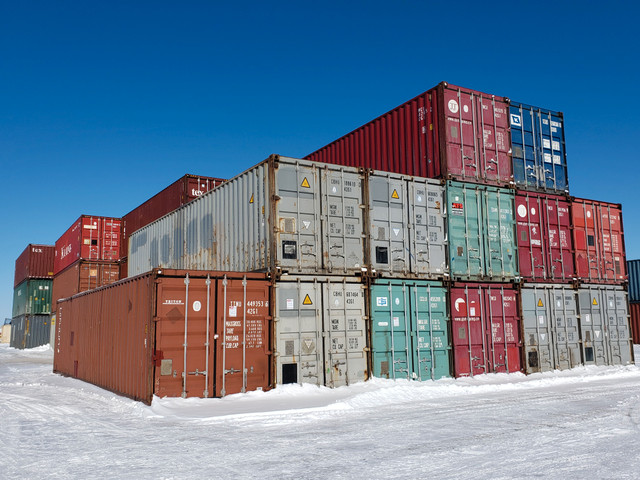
{"x": 211, "y": 334}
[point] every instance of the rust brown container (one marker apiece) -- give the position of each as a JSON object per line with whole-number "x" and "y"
{"x": 82, "y": 276}
{"x": 634, "y": 311}
{"x": 36, "y": 261}
{"x": 136, "y": 336}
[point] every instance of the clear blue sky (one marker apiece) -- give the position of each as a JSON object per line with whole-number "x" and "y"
{"x": 104, "y": 103}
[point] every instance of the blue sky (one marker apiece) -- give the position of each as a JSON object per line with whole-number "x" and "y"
{"x": 103, "y": 104}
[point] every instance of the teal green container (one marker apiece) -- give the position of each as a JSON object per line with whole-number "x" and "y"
{"x": 409, "y": 330}
{"x": 482, "y": 232}
{"x": 32, "y": 297}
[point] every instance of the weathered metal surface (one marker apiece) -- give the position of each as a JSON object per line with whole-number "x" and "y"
{"x": 550, "y": 327}
{"x": 604, "y": 325}
{"x": 320, "y": 331}
{"x": 409, "y": 330}
{"x": 486, "y": 328}
{"x": 82, "y": 276}
{"x": 36, "y": 261}
{"x": 482, "y": 232}
{"x": 634, "y": 312}
{"x": 30, "y": 331}
{"x": 32, "y": 297}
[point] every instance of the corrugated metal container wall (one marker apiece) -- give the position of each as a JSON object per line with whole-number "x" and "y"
{"x": 320, "y": 331}
{"x": 633, "y": 269}
{"x": 83, "y": 276}
{"x": 32, "y": 297}
{"x": 36, "y": 261}
{"x": 446, "y": 132}
{"x": 545, "y": 244}
{"x": 89, "y": 238}
{"x": 598, "y": 238}
{"x": 486, "y": 328}
{"x": 538, "y": 149}
{"x": 283, "y": 215}
{"x": 634, "y": 310}
{"x": 409, "y": 330}
{"x": 482, "y": 232}
{"x": 135, "y": 337}
{"x": 406, "y": 221}
{"x": 604, "y": 325}
{"x": 30, "y": 331}
{"x": 175, "y": 195}
{"x": 550, "y": 327}
{"x": 5, "y": 334}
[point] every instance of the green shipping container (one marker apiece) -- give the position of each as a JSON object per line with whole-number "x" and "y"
{"x": 409, "y": 330}
{"x": 482, "y": 232}
{"x": 32, "y": 297}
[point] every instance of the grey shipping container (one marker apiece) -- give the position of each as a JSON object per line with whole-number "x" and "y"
{"x": 282, "y": 216}
{"x": 320, "y": 331}
{"x": 550, "y": 327}
{"x": 406, "y": 226}
{"x": 604, "y": 325}
{"x": 633, "y": 270}
{"x": 30, "y": 331}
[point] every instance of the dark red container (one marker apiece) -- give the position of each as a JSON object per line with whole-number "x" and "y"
{"x": 634, "y": 311}
{"x": 89, "y": 238}
{"x": 485, "y": 328}
{"x": 130, "y": 337}
{"x": 82, "y": 276}
{"x": 598, "y": 238}
{"x": 446, "y": 132}
{"x": 545, "y": 244}
{"x": 36, "y": 261}
{"x": 175, "y": 195}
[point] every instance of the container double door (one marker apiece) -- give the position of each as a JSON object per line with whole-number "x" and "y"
{"x": 551, "y": 328}
{"x": 409, "y": 330}
{"x": 604, "y": 325}
{"x": 320, "y": 333}
{"x": 485, "y": 329}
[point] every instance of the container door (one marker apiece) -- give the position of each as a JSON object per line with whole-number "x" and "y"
{"x": 613, "y": 254}
{"x": 242, "y": 353}
{"x": 539, "y": 351}
{"x": 391, "y": 331}
{"x": 90, "y": 235}
{"x": 345, "y": 359}
{"x": 587, "y": 257}
{"x": 620, "y": 344}
{"x": 427, "y": 236}
{"x": 559, "y": 241}
{"x": 388, "y": 217}
{"x": 298, "y": 218}
{"x": 299, "y": 341}
{"x": 502, "y": 330}
{"x": 592, "y": 326}
{"x": 430, "y": 332}
{"x": 469, "y": 336}
{"x": 343, "y": 226}
{"x": 499, "y": 238}
{"x": 532, "y": 260}
{"x": 564, "y": 311}
{"x": 465, "y": 249}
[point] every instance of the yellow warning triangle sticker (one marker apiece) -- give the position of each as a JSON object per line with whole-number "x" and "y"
{"x": 251, "y": 201}
{"x": 307, "y": 300}
{"x": 594, "y": 302}
{"x": 305, "y": 184}
{"x": 540, "y": 303}
{"x": 395, "y": 194}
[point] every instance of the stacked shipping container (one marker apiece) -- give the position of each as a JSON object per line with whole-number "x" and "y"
{"x": 633, "y": 269}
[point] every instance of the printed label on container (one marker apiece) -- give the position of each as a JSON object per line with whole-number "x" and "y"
{"x": 289, "y": 303}
{"x": 516, "y": 121}
{"x": 233, "y": 311}
{"x": 381, "y": 301}
{"x": 457, "y": 208}
{"x": 396, "y": 321}
{"x": 197, "y": 306}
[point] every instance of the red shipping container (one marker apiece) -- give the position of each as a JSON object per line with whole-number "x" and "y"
{"x": 136, "y": 336}
{"x": 82, "y": 276}
{"x": 545, "y": 245}
{"x": 485, "y": 328}
{"x": 36, "y": 261}
{"x": 180, "y": 192}
{"x": 598, "y": 238}
{"x": 89, "y": 238}
{"x": 634, "y": 311}
{"x": 446, "y": 132}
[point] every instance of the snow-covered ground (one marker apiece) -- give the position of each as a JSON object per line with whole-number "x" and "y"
{"x": 583, "y": 423}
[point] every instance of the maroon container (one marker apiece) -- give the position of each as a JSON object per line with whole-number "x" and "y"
{"x": 545, "y": 245}
{"x": 36, "y": 261}
{"x": 485, "y": 328}
{"x": 89, "y": 238}
{"x": 634, "y": 311}
{"x": 175, "y": 195}
{"x": 446, "y": 132}
{"x": 129, "y": 337}
{"x": 82, "y": 276}
{"x": 598, "y": 238}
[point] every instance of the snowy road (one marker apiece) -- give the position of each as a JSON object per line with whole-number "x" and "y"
{"x": 583, "y": 423}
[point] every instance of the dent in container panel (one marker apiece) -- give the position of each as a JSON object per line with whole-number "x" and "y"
{"x": 36, "y": 261}
{"x": 598, "y": 238}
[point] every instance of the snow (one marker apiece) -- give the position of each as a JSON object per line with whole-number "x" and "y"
{"x": 572, "y": 424}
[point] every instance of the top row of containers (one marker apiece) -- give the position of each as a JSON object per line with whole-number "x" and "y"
{"x": 455, "y": 133}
